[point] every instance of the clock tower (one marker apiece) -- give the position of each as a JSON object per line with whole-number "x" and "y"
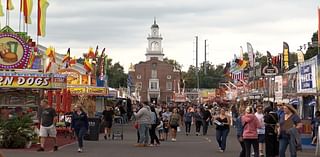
{"x": 154, "y": 49}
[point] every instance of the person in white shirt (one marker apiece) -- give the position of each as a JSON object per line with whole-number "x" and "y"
{"x": 261, "y": 131}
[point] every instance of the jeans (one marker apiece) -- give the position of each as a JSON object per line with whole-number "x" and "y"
{"x": 221, "y": 136}
{"x": 80, "y": 132}
{"x": 255, "y": 144}
{"x": 153, "y": 134}
{"x": 283, "y": 144}
{"x": 243, "y": 148}
{"x": 205, "y": 127}
{"x": 198, "y": 126}
{"x": 188, "y": 127}
{"x": 144, "y": 133}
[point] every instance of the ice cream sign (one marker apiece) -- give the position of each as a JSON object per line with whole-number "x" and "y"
{"x": 25, "y": 81}
{"x": 14, "y": 52}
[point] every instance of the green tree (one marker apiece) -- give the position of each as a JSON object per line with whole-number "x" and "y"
{"x": 313, "y": 47}
{"x": 116, "y": 76}
{"x": 173, "y": 62}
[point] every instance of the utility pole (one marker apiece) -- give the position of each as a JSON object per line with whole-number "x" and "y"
{"x": 197, "y": 68}
{"x": 205, "y": 57}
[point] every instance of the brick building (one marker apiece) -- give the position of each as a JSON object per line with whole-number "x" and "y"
{"x": 154, "y": 80}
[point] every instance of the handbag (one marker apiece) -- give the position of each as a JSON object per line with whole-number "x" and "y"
{"x": 178, "y": 129}
{"x": 136, "y": 125}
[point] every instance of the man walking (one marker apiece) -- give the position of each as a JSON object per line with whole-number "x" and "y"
{"x": 48, "y": 118}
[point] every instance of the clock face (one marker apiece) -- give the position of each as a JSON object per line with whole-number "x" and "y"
{"x": 154, "y": 32}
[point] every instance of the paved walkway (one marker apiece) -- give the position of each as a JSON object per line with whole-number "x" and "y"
{"x": 186, "y": 146}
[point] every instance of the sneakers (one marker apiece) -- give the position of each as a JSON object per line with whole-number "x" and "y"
{"x": 55, "y": 148}
{"x": 173, "y": 140}
{"x": 79, "y": 150}
{"x": 40, "y": 149}
{"x": 221, "y": 150}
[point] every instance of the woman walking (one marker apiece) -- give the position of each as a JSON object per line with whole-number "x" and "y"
{"x": 271, "y": 135}
{"x": 175, "y": 122}
{"x": 198, "y": 116}
{"x": 154, "y": 121}
{"x": 250, "y": 135}
{"x": 222, "y": 122}
{"x": 188, "y": 118}
{"x": 79, "y": 123}
{"x": 290, "y": 122}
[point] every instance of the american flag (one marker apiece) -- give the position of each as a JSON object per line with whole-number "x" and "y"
{"x": 238, "y": 75}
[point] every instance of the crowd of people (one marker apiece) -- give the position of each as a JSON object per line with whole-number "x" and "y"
{"x": 268, "y": 130}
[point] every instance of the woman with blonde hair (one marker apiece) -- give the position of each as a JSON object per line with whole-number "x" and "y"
{"x": 289, "y": 123}
{"x": 174, "y": 122}
{"x": 79, "y": 123}
{"x": 222, "y": 122}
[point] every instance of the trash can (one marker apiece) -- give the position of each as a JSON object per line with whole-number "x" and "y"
{"x": 94, "y": 129}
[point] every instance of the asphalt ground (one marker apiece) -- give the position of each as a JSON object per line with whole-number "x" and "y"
{"x": 185, "y": 146}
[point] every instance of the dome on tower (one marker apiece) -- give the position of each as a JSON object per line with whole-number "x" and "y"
{"x": 155, "y": 25}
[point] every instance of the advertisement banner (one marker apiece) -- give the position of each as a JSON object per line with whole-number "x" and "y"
{"x": 97, "y": 91}
{"x": 15, "y": 80}
{"x": 307, "y": 76}
{"x": 14, "y": 52}
{"x": 59, "y": 81}
{"x": 77, "y": 90}
{"x": 278, "y": 87}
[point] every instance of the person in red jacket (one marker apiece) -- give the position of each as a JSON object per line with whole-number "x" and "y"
{"x": 250, "y": 135}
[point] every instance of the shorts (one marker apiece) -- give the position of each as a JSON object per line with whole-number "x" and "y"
{"x": 48, "y": 131}
{"x": 107, "y": 124}
{"x": 175, "y": 127}
{"x": 261, "y": 138}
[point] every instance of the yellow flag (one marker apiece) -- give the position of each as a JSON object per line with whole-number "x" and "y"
{"x": 1, "y": 10}
{"x": 42, "y": 13}
{"x": 10, "y": 5}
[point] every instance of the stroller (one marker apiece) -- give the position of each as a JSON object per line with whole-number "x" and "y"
{"x": 117, "y": 129}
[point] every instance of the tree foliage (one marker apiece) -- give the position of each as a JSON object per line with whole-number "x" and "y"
{"x": 312, "y": 47}
{"x": 116, "y": 76}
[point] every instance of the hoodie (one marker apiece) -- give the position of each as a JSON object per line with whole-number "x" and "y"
{"x": 251, "y": 123}
{"x": 144, "y": 115}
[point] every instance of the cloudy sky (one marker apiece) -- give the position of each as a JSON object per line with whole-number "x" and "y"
{"x": 122, "y": 26}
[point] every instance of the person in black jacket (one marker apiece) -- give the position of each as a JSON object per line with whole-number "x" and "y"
{"x": 79, "y": 123}
{"x": 206, "y": 120}
{"x": 271, "y": 137}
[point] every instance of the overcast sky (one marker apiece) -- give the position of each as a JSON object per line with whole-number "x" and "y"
{"x": 122, "y": 26}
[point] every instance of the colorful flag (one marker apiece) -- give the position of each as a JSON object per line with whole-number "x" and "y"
{"x": 91, "y": 54}
{"x": 10, "y": 5}
{"x": 285, "y": 57}
{"x": 1, "y": 9}
{"x": 66, "y": 58}
{"x": 251, "y": 54}
{"x": 73, "y": 61}
{"x": 42, "y": 14}
{"x": 26, "y": 9}
{"x": 50, "y": 53}
{"x": 96, "y": 52}
{"x": 87, "y": 65}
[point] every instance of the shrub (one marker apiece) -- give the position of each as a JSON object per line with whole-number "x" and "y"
{"x": 16, "y": 132}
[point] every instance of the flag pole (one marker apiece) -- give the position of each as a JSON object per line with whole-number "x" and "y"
{"x": 7, "y": 17}
{"x": 20, "y": 16}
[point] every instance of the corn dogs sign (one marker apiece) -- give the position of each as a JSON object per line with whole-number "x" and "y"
{"x": 9, "y": 80}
